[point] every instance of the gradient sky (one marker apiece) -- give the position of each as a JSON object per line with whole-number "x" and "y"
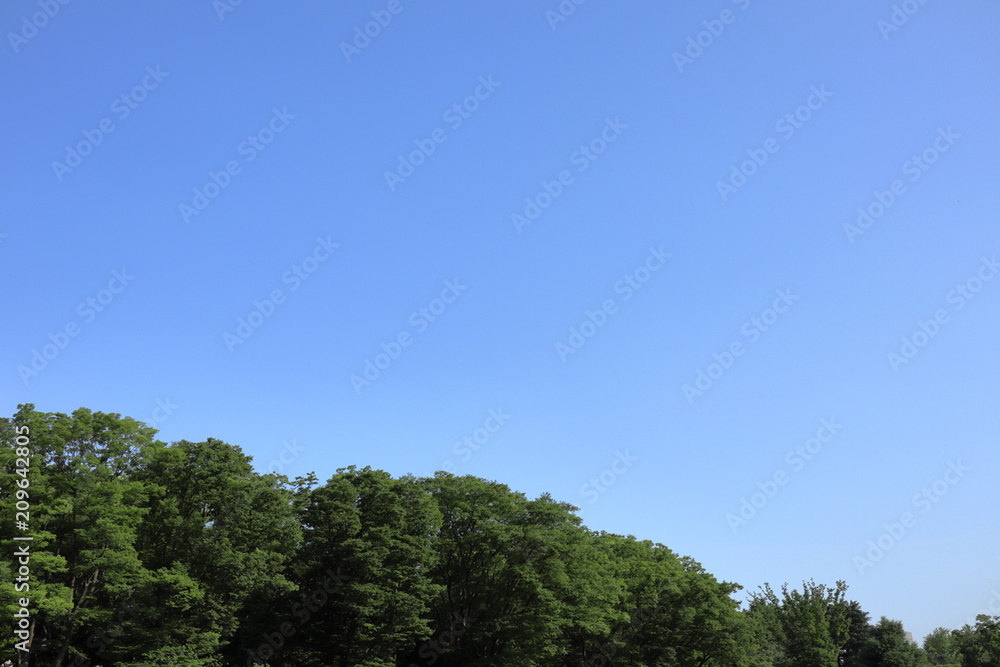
{"x": 632, "y": 142}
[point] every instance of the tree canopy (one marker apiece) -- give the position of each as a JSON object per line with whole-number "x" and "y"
{"x": 147, "y": 554}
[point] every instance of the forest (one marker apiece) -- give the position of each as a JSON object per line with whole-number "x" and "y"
{"x": 125, "y": 551}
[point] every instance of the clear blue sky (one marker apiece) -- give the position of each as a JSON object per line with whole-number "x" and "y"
{"x": 633, "y": 142}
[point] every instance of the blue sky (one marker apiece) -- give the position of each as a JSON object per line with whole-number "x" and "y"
{"x": 623, "y": 196}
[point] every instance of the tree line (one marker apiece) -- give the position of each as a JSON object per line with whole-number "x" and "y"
{"x": 148, "y": 554}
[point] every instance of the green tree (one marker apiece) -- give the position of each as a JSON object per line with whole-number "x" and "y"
{"x": 764, "y": 641}
{"x": 979, "y": 645}
{"x": 502, "y": 570}
{"x": 217, "y": 540}
{"x": 670, "y": 611}
{"x": 941, "y": 649}
{"x": 85, "y": 511}
{"x": 588, "y": 593}
{"x": 375, "y": 533}
{"x": 887, "y": 646}
{"x": 857, "y": 635}
{"x": 811, "y": 626}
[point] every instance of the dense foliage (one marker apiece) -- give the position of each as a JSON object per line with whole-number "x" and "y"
{"x": 153, "y": 555}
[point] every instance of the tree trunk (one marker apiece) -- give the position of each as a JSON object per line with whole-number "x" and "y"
{"x": 64, "y": 649}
